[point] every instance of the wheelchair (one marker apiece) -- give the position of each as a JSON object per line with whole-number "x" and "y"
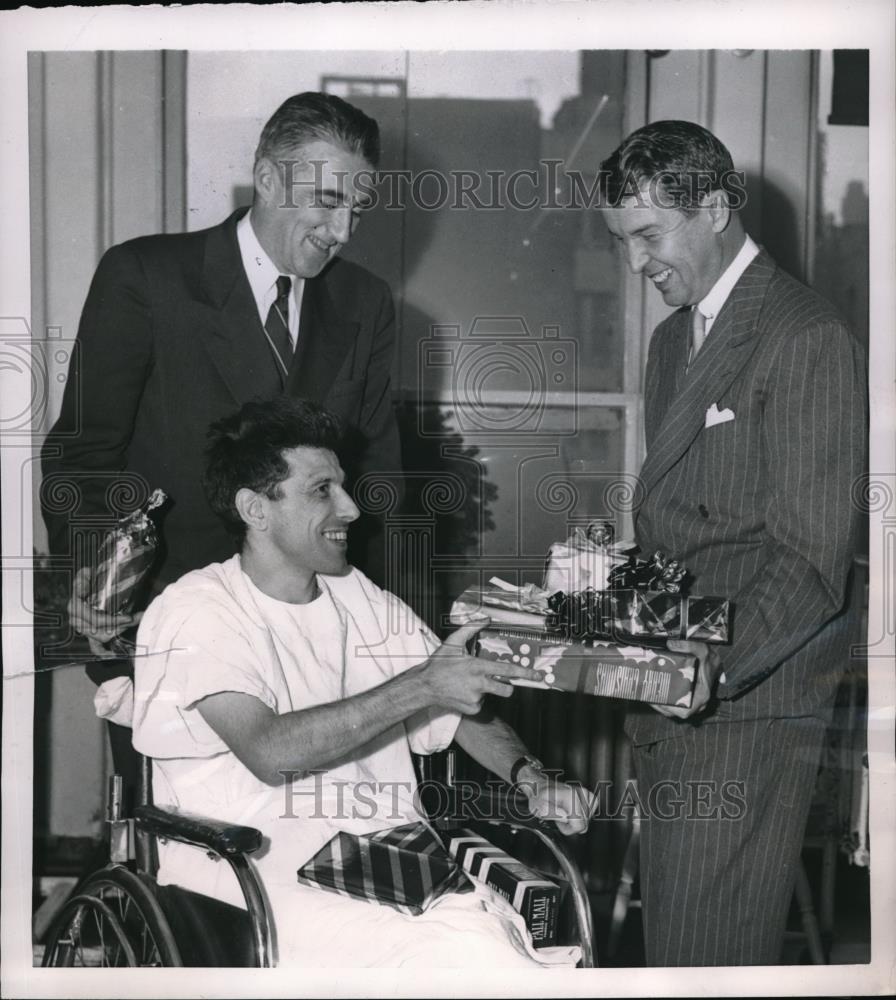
{"x": 119, "y": 916}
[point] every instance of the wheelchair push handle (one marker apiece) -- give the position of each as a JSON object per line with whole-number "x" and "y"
{"x": 121, "y": 830}
{"x": 114, "y": 798}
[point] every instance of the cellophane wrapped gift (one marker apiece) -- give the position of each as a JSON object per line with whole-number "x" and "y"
{"x": 627, "y": 599}
{"x": 640, "y": 615}
{"x": 125, "y": 557}
{"x": 626, "y": 616}
{"x": 502, "y": 602}
{"x": 534, "y": 897}
{"x": 405, "y": 867}
{"x": 585, "y": 560}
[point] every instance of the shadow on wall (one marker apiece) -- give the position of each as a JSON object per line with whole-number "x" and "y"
{"x": 841, "y": 259}
{"x": 771, "y": 220}
{"x": 432, "y": 548}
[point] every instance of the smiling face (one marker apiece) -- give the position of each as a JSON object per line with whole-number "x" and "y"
{"x": 307, "y": 525}
{"x": 683, "y": 255}
{"x": 307, "y": 207}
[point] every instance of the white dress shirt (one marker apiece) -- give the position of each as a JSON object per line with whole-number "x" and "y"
{"x": 262, "y": 275}
{"x": 711, "y": 304}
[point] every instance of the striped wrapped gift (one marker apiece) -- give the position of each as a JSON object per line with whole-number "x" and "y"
{"x": 536, "y": 898}
{"x": 125, "y": 557}
{"x": 405, "y": 867}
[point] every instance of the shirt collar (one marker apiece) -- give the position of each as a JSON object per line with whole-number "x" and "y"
{"x": 262, "y": 274}
{"x": 259, "y": 268}
{"x": 712, "y": 302}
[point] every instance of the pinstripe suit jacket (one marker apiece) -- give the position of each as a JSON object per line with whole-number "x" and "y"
{"x": 759, "y": 508}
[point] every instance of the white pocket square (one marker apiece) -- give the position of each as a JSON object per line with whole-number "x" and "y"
{"x": 716, "y": 416}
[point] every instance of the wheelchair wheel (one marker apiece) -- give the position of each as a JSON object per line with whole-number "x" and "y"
{"x": 114, "y": 920}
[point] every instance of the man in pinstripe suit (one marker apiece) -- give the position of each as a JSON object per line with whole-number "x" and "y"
{"x": 755, "y": 413}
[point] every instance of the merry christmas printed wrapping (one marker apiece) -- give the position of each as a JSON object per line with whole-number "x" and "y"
{"x": 594, "y": 667}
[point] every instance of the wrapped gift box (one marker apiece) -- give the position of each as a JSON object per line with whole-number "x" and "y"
{"x": 536, "y": 898}
{"x": 639, "y": 614}
{"x": 586, "y": 559}
{"x": 609, "y": 614}
{"x": 125, "y": 557}
{"x": 406, "y": 867}
{"x": 572, "y": 567}
{"x": 469, "y": 608}
{"x": 595, "y": 667}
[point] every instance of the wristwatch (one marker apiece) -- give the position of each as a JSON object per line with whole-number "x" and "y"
{"x": 520, "y": 763}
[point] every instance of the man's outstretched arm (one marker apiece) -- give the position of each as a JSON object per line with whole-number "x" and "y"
{"x": 272, "y": 745}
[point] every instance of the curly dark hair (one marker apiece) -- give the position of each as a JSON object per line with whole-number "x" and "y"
{"x": 246, "y": 450}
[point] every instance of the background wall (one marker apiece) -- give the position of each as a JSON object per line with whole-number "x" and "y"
{"x": 130, "y": 143}
{"x": 107, "y": 163}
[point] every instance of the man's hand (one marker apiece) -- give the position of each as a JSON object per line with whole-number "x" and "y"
{"x": 569, "y": 806}
{"x": 98, "y": 627}
{"x": 460, "y": 682}
{"x": 709, "y": 666}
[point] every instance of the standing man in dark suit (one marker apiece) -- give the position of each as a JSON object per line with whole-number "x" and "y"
{"x": 179, "y": 329}
{"x": 755, "y": 413}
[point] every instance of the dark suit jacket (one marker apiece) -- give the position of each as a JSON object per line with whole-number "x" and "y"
{"x": 169, "y": 341}
{"x": 759, "y": 508}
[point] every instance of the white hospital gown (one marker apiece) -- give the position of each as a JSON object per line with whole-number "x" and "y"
{"x": 214, "y": 631}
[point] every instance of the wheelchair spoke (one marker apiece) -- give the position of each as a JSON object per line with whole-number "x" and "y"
{"x": 113, "y": 922}
{"x": 75, "y": 942}
{"x": 99, "y": 934}
{"x": 131, "y": 919}
{"x": 103, "y": 950}
{"x": 80, "y": 950}
{"x": 150, "y": 952}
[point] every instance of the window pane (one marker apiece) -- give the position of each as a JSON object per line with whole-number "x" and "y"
{"x": 503, "y": 150}
{"x": 482, "y": 503}
{"x": 841, "y": 254}
{"x": 230, "y": 95}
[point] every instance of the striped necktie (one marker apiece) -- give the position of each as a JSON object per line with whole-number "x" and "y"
{"x": 277, "y": 325}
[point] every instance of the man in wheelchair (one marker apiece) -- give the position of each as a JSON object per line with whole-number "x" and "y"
{"x": 282, "y": 689}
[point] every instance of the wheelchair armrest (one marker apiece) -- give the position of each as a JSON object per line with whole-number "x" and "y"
{"x": 225, "y": 839}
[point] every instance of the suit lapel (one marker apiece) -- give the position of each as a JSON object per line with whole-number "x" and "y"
{"x": 672, "y": 347}
{"x": 326, "y": 341}
{"x": 729, "y": 346}
{"x": 233, "y": 337}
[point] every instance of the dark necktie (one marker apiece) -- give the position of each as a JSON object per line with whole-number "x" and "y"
{"x": 277, "y": 324}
